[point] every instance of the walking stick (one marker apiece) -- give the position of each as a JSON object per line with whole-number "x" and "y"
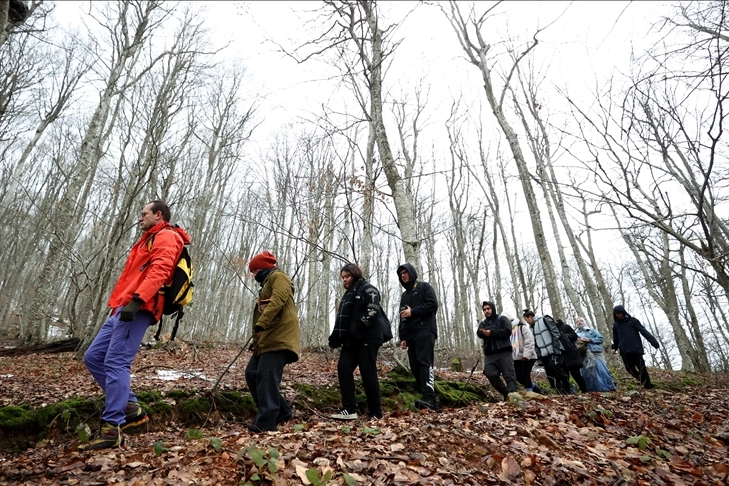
{"x": 469, "y": 379}
{"x": 245, "y": 346}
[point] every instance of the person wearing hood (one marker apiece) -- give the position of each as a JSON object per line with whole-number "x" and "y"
{"x": 572, "y": 360}
{"x": 549, "y": 350}
{"x": 591, "y": 337}
{"x": 275, "y": 342}
{"x": 136, "y": 303}
{"x": 524, "y": 355}
{"x": 627, "y": 331}
{"x": 418, "y": 331}
{"x": 359, "y": 332}
{"x": 495, "y": 332}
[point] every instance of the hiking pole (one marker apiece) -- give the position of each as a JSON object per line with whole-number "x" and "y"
{"x": 469, "y": 379}
{"x": 245, "y": 346}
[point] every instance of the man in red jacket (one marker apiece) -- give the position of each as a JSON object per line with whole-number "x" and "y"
{"x": 136, "y": 304}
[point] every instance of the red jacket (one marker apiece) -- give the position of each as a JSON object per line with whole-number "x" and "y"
{"x": 146, "y": 271}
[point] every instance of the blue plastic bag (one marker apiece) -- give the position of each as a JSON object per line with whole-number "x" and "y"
{"x": 596, "y": 374}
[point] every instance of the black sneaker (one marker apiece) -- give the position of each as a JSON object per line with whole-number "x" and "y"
{"x": 109, "y": 436}
{"x": 426, "y": 403}
{"x": 135, "y": 416}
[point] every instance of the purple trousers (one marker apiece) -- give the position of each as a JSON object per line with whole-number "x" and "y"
{"x": 109, "y": 360}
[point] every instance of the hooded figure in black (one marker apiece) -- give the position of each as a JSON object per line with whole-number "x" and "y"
{"x": 572, "y": 360}
{"x": 495, "y": 331}
{"x": 418, "y": 332}
{"x": 626, "y": 338}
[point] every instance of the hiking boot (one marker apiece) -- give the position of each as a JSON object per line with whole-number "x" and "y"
{"x": 429, "y": 403}
{"x": 540, "y": 390}
{"x": 135, "y": 416}
{"x": 109, "y": 435}
{"x": 344, "y": 415}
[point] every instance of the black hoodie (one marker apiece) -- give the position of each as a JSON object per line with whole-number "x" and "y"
{"x": 627, "y": 332}
{"x": 500, "y": 328}
{"x": 423, "y": 303}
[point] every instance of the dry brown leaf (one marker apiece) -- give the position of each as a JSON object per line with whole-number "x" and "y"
{"x": 510, "y": 467}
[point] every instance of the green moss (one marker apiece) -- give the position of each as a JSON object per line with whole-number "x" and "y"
{"x": 236, "y": 403}
{"x": 158, "y": 409}
{"x": 400, "y": 374}
{"x": 15, "y": 418}
{"x": 177, "y": 394}
{"x": 149, "y": 396}
{"x": 459, "y": 393}
{"x": 320, "y": 398}
{"x": 79, "y": 409}
{"x": 406, "y": 399}
{"x": 194, "y": 410}
{"x": 388, "y": 389}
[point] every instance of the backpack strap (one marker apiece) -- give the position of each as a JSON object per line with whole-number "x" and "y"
{"x": 159, "y": 329}
{"x": 178, "y": 318}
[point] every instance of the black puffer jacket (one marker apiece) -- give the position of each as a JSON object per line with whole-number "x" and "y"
{"x": 423, "y": 303}
{"x": 358, "y": 318}
{"x": 627, "y": 332}
{"x": 500, "y": 328}
{"x": 572, "y": 357}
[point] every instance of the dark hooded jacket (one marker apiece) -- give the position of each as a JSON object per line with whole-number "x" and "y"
{"x": 423, "y": 303}
{"x": 627, "y": 332}
{"x": 500, "y": 328}
{"x": 572, "y": 357}
{"x": 358, "y": 317}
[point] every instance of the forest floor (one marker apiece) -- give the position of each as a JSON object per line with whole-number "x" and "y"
{"x": 675, "y": 434}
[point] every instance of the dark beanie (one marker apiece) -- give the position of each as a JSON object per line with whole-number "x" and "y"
{"x": 262, "y": 261}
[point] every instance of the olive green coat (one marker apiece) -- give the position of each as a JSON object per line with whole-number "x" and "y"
{"x": 276, "y": 318}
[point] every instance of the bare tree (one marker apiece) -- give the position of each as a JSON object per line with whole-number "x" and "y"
{"x": 470, "y": 33}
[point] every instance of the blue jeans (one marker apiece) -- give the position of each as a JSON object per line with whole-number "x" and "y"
{"x": 109, "y": 360}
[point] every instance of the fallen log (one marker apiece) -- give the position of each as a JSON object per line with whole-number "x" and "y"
{"x": 63, "y": 346}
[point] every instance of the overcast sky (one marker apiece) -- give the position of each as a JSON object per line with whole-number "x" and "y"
{"x": 586, "y": 41}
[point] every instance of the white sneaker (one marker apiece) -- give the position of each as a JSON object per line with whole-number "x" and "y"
{"x": 344, "y": 415}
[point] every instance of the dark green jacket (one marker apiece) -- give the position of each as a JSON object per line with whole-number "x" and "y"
{"x": 275, "y": 315}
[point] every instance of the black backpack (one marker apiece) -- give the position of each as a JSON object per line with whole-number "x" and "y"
{"x": 384, "y": 320}
{"x": 564, "y": 342}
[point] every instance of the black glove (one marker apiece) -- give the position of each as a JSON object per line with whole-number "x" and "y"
{"x": 334, "y": 342}
{"x": 130, "y": 310}
{"x": 657, "y": 346}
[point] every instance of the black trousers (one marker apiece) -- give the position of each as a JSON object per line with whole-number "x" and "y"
{"x": 421, "y": 355}
{"x": 263, "y": 376}
{"x": 558, "y": 377}
{"x": 364, "y": 356}
{"x": 523, "y": 370}
{"x": 498, "y": 364}
{"x": 635, "y": 365}
{"x": 576, "y": 373}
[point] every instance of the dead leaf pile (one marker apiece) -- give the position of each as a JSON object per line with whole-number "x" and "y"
{"x": 657, "y": 437}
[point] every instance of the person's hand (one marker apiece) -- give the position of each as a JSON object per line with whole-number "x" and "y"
{"x": 406, "y": 312}
{"x": 129, "y": 311}
{"x": 657, "y": 346}
{"x": 486, "y": 332}
{"x": 587, "y": 340}
{"x": 404, "y": 344}
{"x": 334, "y": 342}
{"x": 257, "y": 330}
{"x": 615, "y": 351}
{"x": 525, "y": 359}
